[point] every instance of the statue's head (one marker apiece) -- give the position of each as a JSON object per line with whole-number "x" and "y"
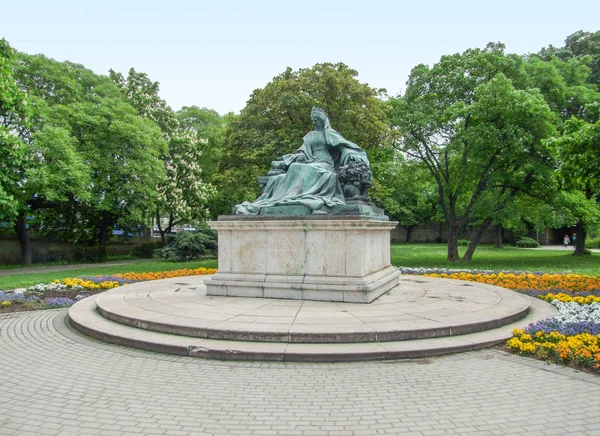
{"x": 318, "y": 116}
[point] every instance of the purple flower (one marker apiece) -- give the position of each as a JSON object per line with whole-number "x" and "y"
{"x": 567, "y": 329}
{"x": 541, "y": 293}
{"x": 14, "y": 297}
{"x": 54, "y": 303}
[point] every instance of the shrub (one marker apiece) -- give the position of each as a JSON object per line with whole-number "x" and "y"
{"x": 56, "y": 255}
{"x": 190, "y": 245}
{"x": 90, "y": 254}
{"x": 463, "y": 242}
{"x": 592, "y": 243}
{"x": 525, "y": 242}
{"x": 145, "y": 250}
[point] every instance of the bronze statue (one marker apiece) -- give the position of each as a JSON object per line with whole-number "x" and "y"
{"x": 311, "y": 176}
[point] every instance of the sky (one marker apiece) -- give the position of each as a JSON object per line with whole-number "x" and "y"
{"x": 214, "y": 53}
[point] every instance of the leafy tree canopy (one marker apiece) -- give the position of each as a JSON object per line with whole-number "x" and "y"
{"x": 82, "y": 122}
{"x": 14, "y": 115}
{"x": 183, "y": 195}
{"x": 580, "y": 45}
{"x": 477, "y": 127}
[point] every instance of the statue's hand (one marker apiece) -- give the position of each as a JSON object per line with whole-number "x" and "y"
{"x": 301, "y": 159}
{"x": 278, "y": 165}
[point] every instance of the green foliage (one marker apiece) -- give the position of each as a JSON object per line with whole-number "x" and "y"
{"x": 207, "y": 128}
{"x": 14, "y": 114}
{"x": 95, "y": 161}
{"x": 592, "y": 243}
{"x": 525, "y": 242}
{"x": 60, "y": 255}
{"x": 581, "y": 46}
{"x": 463, "y": 242}
{"x": 90, "y": 254}
{"x": 146, "y": 250}
{"x": 182, "y": 196}
{"x": 474, "y": 124}
{"x": 578, "y": 151}
{"x": 78, "y": 253}
{"x": 406, "y": 191}
{"x": 189, "y": 245}
{"x": 277, "y": 117}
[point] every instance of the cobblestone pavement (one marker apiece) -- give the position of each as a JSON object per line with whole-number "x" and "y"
{"x": 55, "y": 382}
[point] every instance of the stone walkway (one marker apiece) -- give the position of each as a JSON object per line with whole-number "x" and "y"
{"x": 560, "y": 248}
{"x": 55, "y": 382}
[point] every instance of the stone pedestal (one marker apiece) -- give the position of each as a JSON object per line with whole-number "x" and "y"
{"x": 327, "y": 258}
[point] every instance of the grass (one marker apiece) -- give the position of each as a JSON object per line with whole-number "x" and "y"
{"x": 113, "y": 258}
{"x": 492, "y": 258}
{"x": 17, "y": 280}
{"x": 407, "y": 255}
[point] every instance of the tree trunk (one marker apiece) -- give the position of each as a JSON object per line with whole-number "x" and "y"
{"x": 104, "y": 228}
{"x": 499, "y": 242}
{"x": 475, "y": 238}
{"x": 409, "y": 230}
{"x": 103, "y": 234}
{"x": 580, "y": 238}
{"x": 452, "y": 243}
{"x": 163, "y": 233}
{"x": 23, "y": 235}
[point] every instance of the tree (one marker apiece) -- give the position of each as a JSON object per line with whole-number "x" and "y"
{"x": 14, "y": 115}
{"x": 578, "y": 62}
{"x": 578, "y": 151}
{"x": 407, "y": 192}
{"x": 207, "y": 129}
{"x": 184, "y": 194}
{"x": 580, "y": 45}
{"x": 471, "y": 120}
{"x": 51, "y": 171}
{"x": 277, "y": 117}
{"x": 94, "y": 158}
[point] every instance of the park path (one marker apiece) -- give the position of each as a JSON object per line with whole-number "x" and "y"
{"x": 560, "y": 248}
{"x": 56, "y": 382}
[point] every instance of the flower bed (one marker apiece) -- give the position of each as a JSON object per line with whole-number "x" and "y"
{"x": 567, "y": 283}
{"x": 572, "y": 337}
{"x": 65, "y": 293}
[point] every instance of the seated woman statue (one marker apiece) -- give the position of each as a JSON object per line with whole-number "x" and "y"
{"x": 308, "y": 177}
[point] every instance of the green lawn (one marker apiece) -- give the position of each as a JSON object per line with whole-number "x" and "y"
{"x": 124, "y": 257}
{"x": 407, "y": 255}
{"x": 492, "y": 258}
{"x": 17, "y": 280}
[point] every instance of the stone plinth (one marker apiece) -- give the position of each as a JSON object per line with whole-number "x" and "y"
{"x": 310, "y": 258}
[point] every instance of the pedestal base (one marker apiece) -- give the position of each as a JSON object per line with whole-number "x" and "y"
{"x": 318, "y": 288}
{"x": 322, "y": 258}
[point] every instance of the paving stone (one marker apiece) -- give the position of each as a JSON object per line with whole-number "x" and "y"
{"x": 63, "y": 383}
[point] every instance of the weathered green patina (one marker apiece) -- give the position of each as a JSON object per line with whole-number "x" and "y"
{"x": 327, "y": 175}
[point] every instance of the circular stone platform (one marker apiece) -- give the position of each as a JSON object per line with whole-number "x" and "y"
{"x": 421, "y": 316}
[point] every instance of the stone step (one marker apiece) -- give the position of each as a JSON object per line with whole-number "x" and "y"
{"x": 85, "y": 318}
{"x": 419, "y": 308}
